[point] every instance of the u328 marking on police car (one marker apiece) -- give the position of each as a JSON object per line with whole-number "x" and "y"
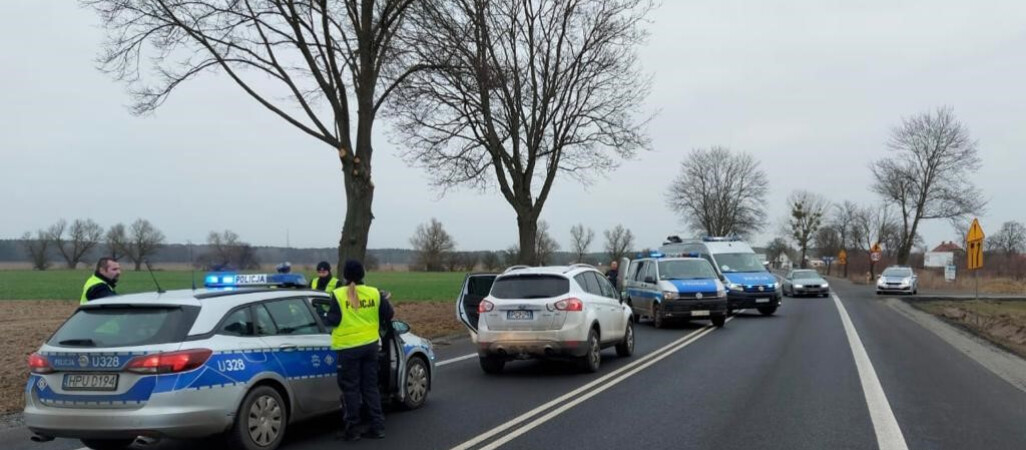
{"x": 231, "y": 365}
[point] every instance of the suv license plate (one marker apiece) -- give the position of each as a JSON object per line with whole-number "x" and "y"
{"x": 520, "y": 315}
{"x": 762, "y": 300}
{"x": 90, "y": 382}
{"x": 699, "y": 313}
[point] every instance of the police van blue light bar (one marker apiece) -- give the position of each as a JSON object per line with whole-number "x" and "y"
{"x": 720, "y": 238}
{"x": 232, "y": 279}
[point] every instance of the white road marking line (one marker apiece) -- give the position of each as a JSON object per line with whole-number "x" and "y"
{"x": 535, "y": 423}
{"x": 524, "y": 417}
{"x": 888, "y": 433}
{"x": 456, "y": 359}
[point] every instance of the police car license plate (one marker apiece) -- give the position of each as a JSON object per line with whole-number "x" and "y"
{"x": 762, "y": 300}
{"x": 259, "y": 278}
{"x": 699, "y": 313}
{"x": 519, "y": 315}
{"x": 90, "y": 382}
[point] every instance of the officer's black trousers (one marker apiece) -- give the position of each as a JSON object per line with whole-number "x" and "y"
{"x": 358, "y": 379}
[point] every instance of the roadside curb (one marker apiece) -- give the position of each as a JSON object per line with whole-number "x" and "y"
{"x": 1006, "y": 365}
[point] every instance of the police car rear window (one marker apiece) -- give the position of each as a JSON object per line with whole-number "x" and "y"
{"x": 530, "y": 286}
{"x": 108, "y": 326}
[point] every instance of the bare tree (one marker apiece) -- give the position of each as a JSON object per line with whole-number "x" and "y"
{"x": 491, "y": 261}
{"x": 521, "y": 92}
{"x": 144, "y": 241}
{"x": 228, "y": 251}
{"x": 37, "y": 248}
{"x": 806, "y": 216}
{"x": 117, "y": 241}
{"x": 82, "y": 236}
{"x": 1009, "y": 240}
{"x": 927, "y": 174}
{"x": 581, "y": 239}
{"x": 720, "y": 193}
{"x": 433, "y": 245}
{"x": 842, "y": 220}
{"x": 619, "y": 242}
{"x": 778, "y": 246}
{"x": 875, "y": 225}
{"x": 315, "y": 64}
{"x": 828, "y": 242}
{"x": 545, "y": 245}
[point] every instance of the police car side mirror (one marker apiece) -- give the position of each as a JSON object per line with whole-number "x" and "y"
{"x": 649, "y": 280}
{"x": 400, "y": 327}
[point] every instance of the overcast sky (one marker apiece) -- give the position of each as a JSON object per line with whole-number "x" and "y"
{"x": 810, "y": 88}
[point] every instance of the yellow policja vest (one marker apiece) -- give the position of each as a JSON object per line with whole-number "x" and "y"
{"x": 92, "y": 281}
{"x": 359, "y": 326}
{"x": 332, "y": 282}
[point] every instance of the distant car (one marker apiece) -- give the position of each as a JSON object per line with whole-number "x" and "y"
{"x": 187, "y": 364}
{"x": 664, "y": 289}
{"x": 558, "y": 312}
{"x": 897, "y": 279}
{"x": 805, "y": 282}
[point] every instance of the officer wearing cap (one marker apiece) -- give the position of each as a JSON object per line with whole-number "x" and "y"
{"x": 356, "y": 315}
{"x": 325, "y": 281}
{"x": 102, "y": 282}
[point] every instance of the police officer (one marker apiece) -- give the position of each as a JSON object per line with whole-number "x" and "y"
{"x": 613, "y": 273}
{"x": 356, "y": 313}
{"x": 102, "y": 282}
{"x": 324, "y": 281}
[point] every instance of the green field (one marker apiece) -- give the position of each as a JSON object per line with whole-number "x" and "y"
{"x": 67, "y": 284}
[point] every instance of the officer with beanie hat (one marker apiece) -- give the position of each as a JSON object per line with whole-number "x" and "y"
{"x": 325, "y": 281}
{"x": 356, "y": 315}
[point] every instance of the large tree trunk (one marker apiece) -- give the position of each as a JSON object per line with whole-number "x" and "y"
{"x": 906, "y": 244}
{"x": 527, "y": 225}
{"x": 802, "y": 262}
{"x": 356, "y": 168}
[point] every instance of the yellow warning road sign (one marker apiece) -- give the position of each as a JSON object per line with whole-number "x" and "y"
{"x": 842, "y": 257}
{"x": 975, "y": 232}
{"x": 974, "y": 242}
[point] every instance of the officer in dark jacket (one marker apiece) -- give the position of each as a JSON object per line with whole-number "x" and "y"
{"x": 102, "y": 282}
{"x": 613, "y": 273}
{"x": 324, "y": 281}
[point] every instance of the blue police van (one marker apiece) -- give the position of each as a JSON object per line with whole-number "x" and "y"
{"x": 749, "y": 283}
{"x": 684, "y": 287}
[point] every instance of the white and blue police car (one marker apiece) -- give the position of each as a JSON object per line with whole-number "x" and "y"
{"x": 243, "y": 357}
{"x": 749, "y": 283}
{"x": 666, "y": 288}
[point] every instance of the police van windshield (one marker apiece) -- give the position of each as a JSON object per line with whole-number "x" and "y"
{"x": 685, "y": 269}
{"x": 739, "y": 262}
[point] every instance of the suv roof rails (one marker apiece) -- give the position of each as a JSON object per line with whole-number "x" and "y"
{"x": 576, "y": 265}
{"x": 516, "y": 267}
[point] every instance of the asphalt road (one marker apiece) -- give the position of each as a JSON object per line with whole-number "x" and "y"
{"x": 800, "y": 379}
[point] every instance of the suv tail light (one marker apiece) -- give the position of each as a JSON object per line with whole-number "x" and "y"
{"x": 570, "y": 304}
{"x": 485, "y": 306}
{"x": 170, "y": 362}
{"x": 39, "y": 364}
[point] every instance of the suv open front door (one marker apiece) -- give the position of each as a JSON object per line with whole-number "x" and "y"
{"x": 476, "y": 287}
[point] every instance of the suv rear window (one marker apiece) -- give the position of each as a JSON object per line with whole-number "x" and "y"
{"x": 125, "y": 326}
{"x": 530, "y": 286}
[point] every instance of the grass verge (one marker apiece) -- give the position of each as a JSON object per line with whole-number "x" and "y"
{"x": 1002, "y": 322}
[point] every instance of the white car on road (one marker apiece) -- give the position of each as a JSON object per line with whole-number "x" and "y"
{"x": 559, "y": 312}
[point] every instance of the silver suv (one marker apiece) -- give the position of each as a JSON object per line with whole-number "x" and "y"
{"x": 561, "y": 312}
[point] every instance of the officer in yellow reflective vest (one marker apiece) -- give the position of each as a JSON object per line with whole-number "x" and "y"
{"x": 324, "y": 281}
{"x": 102, "y": 282}
{"x": 356, "y": 314}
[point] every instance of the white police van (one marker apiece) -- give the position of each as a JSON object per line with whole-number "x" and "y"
{"x": 666, "y": 288}
{"x": 749, "y": 284}
{"x": 242, "y": 357}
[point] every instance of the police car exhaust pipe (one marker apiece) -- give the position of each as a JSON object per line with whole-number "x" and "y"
{"x": 41, "y": 438}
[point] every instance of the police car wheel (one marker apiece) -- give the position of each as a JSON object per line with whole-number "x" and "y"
{"x": 416, "y": 384}
{"x": 261, "y": 420}
{"x": 719, "y": 321}
{"x": 657, "y": 317}
{"x": 767, "y": 310}
{"x": 107, "y": 444}
{"x": 626, "y": 347}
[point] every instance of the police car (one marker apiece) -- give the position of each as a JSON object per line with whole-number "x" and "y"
{"x": 665, "y": 288}
{"x": 242, "y": 357}
{"x": 749, "y": 284}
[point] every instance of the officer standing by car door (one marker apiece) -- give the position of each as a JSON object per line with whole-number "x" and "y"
{"x": 102, "y": 282}
{"x": 356, "y": 314}
{"x": 324, "y": 282}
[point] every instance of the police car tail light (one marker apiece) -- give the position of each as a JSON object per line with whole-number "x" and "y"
{"x": 170, "y": 362}
{"x": 485, "y": 306}
{"x": 39, "y": 364}
{"x": 570, "y": 304}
